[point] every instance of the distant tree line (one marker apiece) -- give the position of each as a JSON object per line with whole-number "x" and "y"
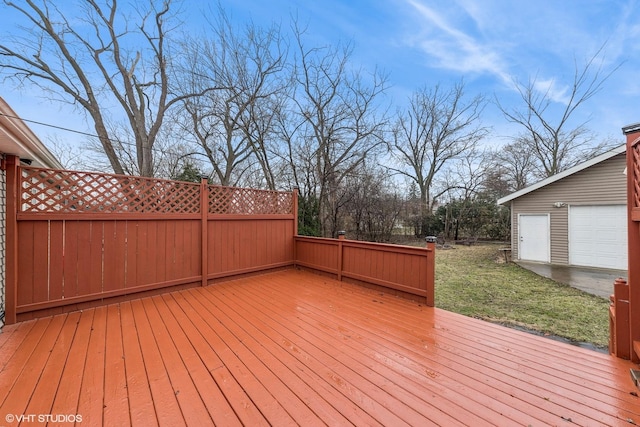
{"x": 266, "y": 108}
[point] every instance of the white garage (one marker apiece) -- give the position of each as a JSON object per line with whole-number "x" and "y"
{"x": 576, "y": 217}
{"x": 598, "y": 236}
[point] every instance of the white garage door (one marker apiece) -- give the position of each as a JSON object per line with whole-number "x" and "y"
{"x": 534, "y": 237}
{"x": 598, "y": 236}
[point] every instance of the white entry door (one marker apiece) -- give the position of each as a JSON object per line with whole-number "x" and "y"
{"x": 533, "y": 237}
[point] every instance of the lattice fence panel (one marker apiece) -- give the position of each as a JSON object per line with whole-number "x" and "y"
{"x": 635, "y": 150}
{"x": 47, "y": 190}
{"x": 244, "y": 201}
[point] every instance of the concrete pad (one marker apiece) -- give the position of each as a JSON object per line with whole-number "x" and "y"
{"x": 596, "y": 281}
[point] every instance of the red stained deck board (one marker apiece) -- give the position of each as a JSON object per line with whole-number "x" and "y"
{"x": 213, "y": 398}
{"x": 352, "y": 376}
{"x": 46, "y": 388}
{"x": 303, "y": 392}
{"x": 458, "y": 379}
{"x": 520, "y": 373}
{"x": 9, "y": 345}
{"x": 192, "y": 406}
{"x": 166, "y": 405}
{"x": 116, "y": 403}
{"x": 196, "y": 329}
{"x": 140, "y": 399}
{"x": 290, "y": 348}
{"x": 392, "y": 373}
{"x": 19, "y": 379}
{"x": 247, "y": 375}
{"x": 91, "y": 399}
{"x": 68, "y": 393}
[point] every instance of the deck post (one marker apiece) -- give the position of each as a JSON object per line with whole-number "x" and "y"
{"x": 295, "y": 226}
{"x": 431, "y": 270}
{"x": 632, "y": 134}
{"x": 340, "y": 241}
{"x": 12, "y": 165}
{"x": 619, "y": 334}
{"x": 204, "y": 212}
{"x": 295, "y": 211}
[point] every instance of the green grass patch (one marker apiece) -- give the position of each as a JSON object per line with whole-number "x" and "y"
{"x": 475, "y": 281}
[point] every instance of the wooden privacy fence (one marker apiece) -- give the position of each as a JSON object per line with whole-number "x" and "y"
{"x": 409, "y": 270}
{"x": 75, "y": 239}
{"x": 79, "y": 239}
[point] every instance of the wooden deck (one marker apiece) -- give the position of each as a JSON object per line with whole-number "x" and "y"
{"x": 292, "y": 347}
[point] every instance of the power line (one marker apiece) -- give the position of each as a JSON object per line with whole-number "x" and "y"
{"x": 79, "y": 132}
{"x": 53, "y": 126}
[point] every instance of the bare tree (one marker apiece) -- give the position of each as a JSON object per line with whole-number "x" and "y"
{"x": 517, "y": 161}
{"x": 70, "y": 156}
{"x": 546, "y": 118}
{"x": 114, "y": 64}
{"x": 373, "y": 207}
{"x": 336, "y": 121}
{"x": 234, "y": 124}
{"x": 439, "y": 126}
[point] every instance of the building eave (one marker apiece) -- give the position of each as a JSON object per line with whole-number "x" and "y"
{"x": 16, "y": 138}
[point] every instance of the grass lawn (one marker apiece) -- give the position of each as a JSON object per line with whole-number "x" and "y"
{"x": 476, "y": 282}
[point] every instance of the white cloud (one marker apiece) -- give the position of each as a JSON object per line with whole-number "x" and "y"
{"x": 454, "y": 49}
{"x": 550, "y": 90}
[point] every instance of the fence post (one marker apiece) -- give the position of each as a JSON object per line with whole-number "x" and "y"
{"x": 295, "y": 211}
{"x": 621, "y": 323}
{"x": 204, "y": 215}
{"x": 295, "y": 226}
{"x": 12, "y": 164}
{"x": 340, "y": 241}
{"x": 431, "y": 270}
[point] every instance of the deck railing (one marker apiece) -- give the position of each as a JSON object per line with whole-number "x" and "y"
{"x": 79, "y": 239}
{"x": 407, "y": 269}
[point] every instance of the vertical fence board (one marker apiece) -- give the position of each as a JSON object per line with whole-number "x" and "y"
{"x": 196, "y": 243}
{"x": 70, "y": 259}
{"x": 56, "y": 254}
{"x": 142, "y": 253}
{"x": 161, "y": 256}
{"x": 83, "y": 284}
{"x": 184, "y": 260}
{"x": 25, "y": 262}
{"x": 225, "y": 247}
{"x": 113, "y": 258}
{"x": 170, "y": 242}
{"x": 178, "y": 249}
{"x": 131, "y": 249}
{"x": 263, "y": 244}
{"x": 235, "y": 237}
{"x": 96, "y": 279}
{"x": 416, "y": 269}
{"x": 40, "y": 261}
{"x": 151, "y": 254}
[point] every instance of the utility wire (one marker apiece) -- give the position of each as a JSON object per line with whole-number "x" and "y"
{"x": 79, "y": 132}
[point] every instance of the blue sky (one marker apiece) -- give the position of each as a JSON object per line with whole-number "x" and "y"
{"x": 488, "y": 43}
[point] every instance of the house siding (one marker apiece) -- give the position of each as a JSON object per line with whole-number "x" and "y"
{"x": 600, "y": 184}
{"x": 3, "y": 209}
